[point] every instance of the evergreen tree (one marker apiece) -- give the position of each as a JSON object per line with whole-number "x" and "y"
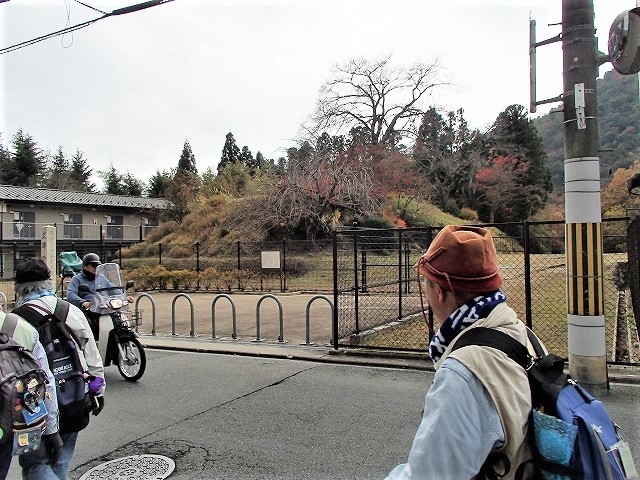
{"x": 27, "y": 161}
{"x": 187, "y": 162}
{"x": 59, "y": 173}
{"x": 159, "y": 184}
{"x": 81, "y": 173}
{"x": 113, "y": 181}
{"x": 515, "y": 135}
{"x": 5, "y": 161}
{"x": 60, "y": 164}
{"x": 246, "y": 157}
{"x": 446, "y": 152}
{"x": 230, "y": 152}
{"x": 133, "y": 186}
{"x": 260, "y": 161}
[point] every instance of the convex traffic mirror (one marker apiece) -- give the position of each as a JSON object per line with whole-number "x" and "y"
{"x": 624, "y": 42}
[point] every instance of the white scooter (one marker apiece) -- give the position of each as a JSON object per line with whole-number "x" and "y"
{"x": 118, "y": 341}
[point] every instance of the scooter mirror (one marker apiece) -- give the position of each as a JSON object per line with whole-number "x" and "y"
{"x": 129, "y": 284}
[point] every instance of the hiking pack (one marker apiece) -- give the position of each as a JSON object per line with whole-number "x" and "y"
{"x": 572, "y": 435}
{"x": 22, "y": 392}
{"x": 61, "y": 347}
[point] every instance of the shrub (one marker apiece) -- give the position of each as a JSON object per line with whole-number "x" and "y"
{"x": 469, "y": 214}
{"x": 185, "y": 279}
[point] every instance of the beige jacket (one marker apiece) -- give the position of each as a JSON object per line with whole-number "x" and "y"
{"x": 505, "y": 381}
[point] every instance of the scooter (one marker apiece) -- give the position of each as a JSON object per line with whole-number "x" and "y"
{"x": 117, "y": 340}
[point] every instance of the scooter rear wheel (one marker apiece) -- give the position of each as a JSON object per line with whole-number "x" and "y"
{"x": 133, "y": 369}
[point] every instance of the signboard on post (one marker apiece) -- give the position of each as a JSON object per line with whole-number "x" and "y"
{"x": 270, "y": 259}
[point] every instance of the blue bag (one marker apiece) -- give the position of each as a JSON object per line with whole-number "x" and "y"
{"x": 573, "y": 435}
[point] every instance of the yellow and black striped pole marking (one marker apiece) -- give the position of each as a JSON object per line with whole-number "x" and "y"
{"x": 585, "y": 290}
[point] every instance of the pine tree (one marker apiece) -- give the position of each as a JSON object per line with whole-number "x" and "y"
{"x": 133, "y": 186}
{"x": 27, "y": 161}
{"x": 159, "y": 184}
{"x": 230, "y": 152}
{"x": 113, "y": 181}
{"x": 187, "y": 162}
{"x": 59, "y": 173}
{"x": 246, "y": 157}
{"x": 81, "y": 173}
{"x": 515, "y": 135}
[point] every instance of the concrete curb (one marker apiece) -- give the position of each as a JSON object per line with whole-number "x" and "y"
{"x": 317, "y": 353}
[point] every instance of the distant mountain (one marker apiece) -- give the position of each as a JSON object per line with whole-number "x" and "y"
{"x": 618, "y": 127}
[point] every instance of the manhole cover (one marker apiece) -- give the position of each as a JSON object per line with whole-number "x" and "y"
{"x": 135, "y": 467}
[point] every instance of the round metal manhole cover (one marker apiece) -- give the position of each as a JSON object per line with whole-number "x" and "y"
{"x": 135, "y": 467}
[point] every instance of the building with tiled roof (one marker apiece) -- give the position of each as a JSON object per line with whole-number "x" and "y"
{"x": 83, "y": 221}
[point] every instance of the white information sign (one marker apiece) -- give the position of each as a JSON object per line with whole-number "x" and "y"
{"x": 271, "y": 259}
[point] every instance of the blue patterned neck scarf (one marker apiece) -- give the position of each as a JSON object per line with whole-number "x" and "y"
{"x": 467, "y": 314}
{"x": 36, "y": 295}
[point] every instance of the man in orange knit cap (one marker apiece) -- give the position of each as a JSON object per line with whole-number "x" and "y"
{"x": 478, "y": 407}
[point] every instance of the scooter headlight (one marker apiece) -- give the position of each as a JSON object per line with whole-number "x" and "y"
{"x": 115, "y": 303}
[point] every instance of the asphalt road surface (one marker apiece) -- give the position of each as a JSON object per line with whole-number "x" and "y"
{"x": 234, "y": 417}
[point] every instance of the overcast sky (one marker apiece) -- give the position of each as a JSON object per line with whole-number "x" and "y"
{"x": 127, "y": 90}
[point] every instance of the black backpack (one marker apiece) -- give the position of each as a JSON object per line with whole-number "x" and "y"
{"x": 62, "y": 349}
{"x": 571, "y": 433}
{"x": 22, "y": 392}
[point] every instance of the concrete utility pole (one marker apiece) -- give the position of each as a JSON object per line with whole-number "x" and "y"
{"x": 583, "y": 235}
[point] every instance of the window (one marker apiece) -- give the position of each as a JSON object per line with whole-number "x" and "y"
{"x": 114, "y": 226}
{"x": 149, "y": 224}
{"x": 24, "y": 224}
{"x": 72, "y": 225}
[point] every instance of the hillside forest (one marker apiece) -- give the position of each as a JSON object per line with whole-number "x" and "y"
{"x": 372, "y": 152}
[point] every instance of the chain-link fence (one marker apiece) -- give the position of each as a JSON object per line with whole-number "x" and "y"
{"x": 378, "y": 298}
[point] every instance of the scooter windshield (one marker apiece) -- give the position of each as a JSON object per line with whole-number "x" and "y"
{"x": 109, "y": 283}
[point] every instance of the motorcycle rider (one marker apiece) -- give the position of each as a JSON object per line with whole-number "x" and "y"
{"x": 89, "y": 278}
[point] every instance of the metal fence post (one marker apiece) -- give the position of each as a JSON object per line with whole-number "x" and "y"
{"x": 356, "y": 287}
{"x": 197, "y": 265}
{"x": 284, "y": 265}
{"x": 334, "y": 332}
{"x": 399, "y": 274}
{"x": 527, "y": 275}
{"x": 363, "y": 268}
{"x": 159, "y": 253}
{"x": 238, "y": 250}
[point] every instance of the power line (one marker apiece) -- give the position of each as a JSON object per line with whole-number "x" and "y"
{"x": 119, "y": 11}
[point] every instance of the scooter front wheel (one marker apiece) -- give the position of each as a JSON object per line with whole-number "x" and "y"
{"x": 132, "y": 367}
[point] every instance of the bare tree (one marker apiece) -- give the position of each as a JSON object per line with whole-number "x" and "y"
{"x": 318, "y": 188}
{"x": 373, "y": 100}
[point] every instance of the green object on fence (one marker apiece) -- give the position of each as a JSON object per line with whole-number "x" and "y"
{"x": 70, "y": 263}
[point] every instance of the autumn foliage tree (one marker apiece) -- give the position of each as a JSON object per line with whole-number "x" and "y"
{"x": 498, "y": 186}
{"x": 319, "y": 187}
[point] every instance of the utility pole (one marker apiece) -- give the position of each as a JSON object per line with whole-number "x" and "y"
{"x": 583, "y": 228}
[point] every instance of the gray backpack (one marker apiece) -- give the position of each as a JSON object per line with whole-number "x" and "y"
{"x": 22, "y": 392}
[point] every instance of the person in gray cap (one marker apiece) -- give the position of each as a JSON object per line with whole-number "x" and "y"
{"x": 28, "y": 337}
{"x": 34, "y": 287}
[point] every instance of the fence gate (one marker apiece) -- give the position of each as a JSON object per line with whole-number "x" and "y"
{"x": 376, "y": 288}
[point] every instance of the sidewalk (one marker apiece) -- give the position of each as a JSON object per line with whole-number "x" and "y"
{"x": 326, "y": 353}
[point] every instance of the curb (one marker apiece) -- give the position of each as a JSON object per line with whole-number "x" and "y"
{"x": 313, "y": 353}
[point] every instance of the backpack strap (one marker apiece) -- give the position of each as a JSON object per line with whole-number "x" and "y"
{"x": 9, "y": 325}
{"x": 37, "y": 315}
{"x": 490, "y": 337}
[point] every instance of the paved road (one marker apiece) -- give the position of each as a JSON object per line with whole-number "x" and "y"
{"x": 239, "y": 417}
